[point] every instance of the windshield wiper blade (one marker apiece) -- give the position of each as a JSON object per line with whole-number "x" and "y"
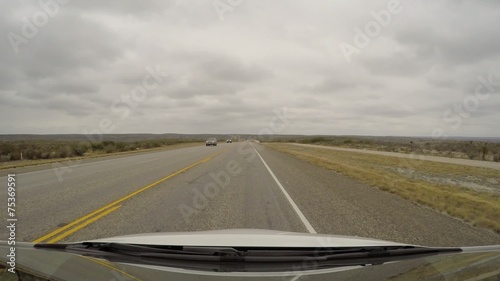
{"x": 231, "y": 258}
{"x": 132, "y": 250}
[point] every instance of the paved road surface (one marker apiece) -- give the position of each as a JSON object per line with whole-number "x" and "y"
{"x": 239, "y": 185}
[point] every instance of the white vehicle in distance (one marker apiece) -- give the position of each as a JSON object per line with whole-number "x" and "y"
{"x": 211, "y": 142}
{"x": 229, "y": 141}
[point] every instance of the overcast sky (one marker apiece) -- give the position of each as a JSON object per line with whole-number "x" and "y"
{"x": 241, "y": 66}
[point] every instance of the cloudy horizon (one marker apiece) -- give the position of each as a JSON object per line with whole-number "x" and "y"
{"x": 385, "y": 67}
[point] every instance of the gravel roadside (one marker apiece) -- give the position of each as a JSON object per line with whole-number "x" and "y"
{"x": 336, "y": 204}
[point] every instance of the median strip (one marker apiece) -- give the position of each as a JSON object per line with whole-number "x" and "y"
{"x": 80, "y": 223}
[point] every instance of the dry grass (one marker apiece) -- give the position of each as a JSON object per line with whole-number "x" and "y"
{"x": 26, "y": 163}
{"x": 452, "y": 267}
{"x": 480, "y": 209}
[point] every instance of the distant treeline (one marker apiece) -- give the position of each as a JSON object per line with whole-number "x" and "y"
{"x": 51, "y": 149}
{"x": 477, "y": 150}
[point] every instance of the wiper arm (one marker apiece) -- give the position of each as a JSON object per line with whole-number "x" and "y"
{"x": 262, "y": 259}
{"x": 132, "y": 250}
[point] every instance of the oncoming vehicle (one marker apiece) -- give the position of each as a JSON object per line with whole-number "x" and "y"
{"x": 229, "y": 141}
{"x": 211, "y": 142}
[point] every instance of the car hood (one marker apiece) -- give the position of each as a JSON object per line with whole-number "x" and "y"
{"x": 247, "y": 238}
{"x": 68, "y": 266}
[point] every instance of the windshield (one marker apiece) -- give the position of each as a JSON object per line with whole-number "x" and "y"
{"x": 365, "y": 119}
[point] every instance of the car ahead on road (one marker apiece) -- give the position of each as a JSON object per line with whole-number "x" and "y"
{"x": 248, "y": 254}
{"x": 211, "y": 142}
{"x": 229, "y": 141}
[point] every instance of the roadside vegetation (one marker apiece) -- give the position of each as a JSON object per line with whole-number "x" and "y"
{"x": 42, "y": 151}
{"x": 465, "y": 149}
{"x": 413, "y": 180}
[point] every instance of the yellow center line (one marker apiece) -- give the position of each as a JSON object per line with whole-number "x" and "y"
{"x": 82, "y": 225}
{"x": 114, "y": 203}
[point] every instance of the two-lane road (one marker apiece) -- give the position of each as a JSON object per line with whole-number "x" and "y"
{"x": 239, "y": 185}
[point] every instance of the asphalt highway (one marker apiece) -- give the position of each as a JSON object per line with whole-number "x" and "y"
{"x": 238, "y": 185}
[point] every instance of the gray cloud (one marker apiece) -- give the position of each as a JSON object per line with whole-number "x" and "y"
{"x": 441, "y": 83}
{"x": 332, "y": 85}
{"x": 396, "y": 64}
{"x": 129, "y": 8}
{"x": 229, "y": 76}
{"x": 459, "y": 32}
{"x": 233, "y": 70}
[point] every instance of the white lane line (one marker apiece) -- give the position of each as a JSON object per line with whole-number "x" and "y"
{"x": 294, "y": 206}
